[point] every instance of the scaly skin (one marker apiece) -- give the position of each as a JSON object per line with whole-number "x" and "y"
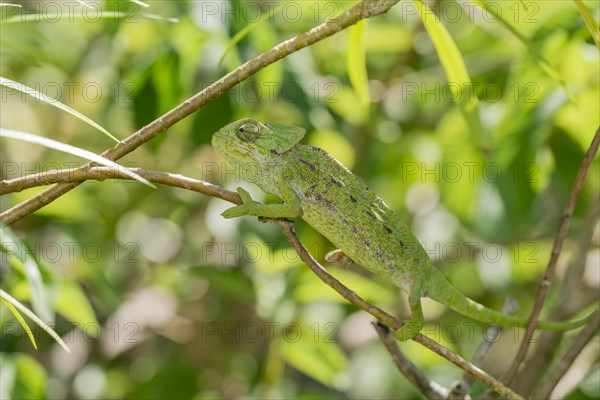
{"x": 337, "y": 203}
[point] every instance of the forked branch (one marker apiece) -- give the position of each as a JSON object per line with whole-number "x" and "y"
{"x": 100, "y": 173}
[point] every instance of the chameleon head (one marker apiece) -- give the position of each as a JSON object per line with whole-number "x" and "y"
{"x": 253, "y": 147}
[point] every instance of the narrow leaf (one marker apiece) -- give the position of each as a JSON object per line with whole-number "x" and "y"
{"x": 315, "y": 357}
{"x": 249, "y": 28}
{"x": 356, "y": 62}
{"x": 589, "y": 21}
{"x": 456, "y": 71}
{"x": 140, "y": 3}
{"x": 8, "y": 298}
{"x": 39, "y": 299}
{"x": 53, "y": 102}
{"x": 76, "y": 151}
{"x": 546, "y": 67}
{"x": 19, "y": 318}
{"x": 71, "y": 303}
{"x": 58, "y": 16}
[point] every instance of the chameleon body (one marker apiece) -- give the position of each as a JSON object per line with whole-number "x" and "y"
{"x": 316, "y": 187}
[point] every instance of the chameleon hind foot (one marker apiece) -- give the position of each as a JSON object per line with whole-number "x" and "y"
{"x": 408, "y": 330}
{"x": 338, "y": 257}
{"x": 416, "y": 322}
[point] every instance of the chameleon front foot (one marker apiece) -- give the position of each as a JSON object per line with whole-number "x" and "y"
{"x": 250, "y": 207}
{"x": 243, "y": 209}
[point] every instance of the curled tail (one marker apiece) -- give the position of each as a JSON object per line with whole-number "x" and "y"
{"x": 450, "y": 296}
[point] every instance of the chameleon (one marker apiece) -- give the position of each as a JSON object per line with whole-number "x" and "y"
{"x": 316, "y": 187}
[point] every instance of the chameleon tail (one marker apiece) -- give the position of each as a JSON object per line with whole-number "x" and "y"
{"x": 457, "y": 301}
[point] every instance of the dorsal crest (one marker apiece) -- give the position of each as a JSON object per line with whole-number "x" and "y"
{"x": 285, "y": 136}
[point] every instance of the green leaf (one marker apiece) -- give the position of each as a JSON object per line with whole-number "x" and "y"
{"x": 589, "y": 21}
{"x": 22, "y": 377}
{"x": 10, "y": 5}
{"x": 58, "y": 16}
{"x": 72, "y": 304}
{"x": 454, "y": 65}
{"x": 230, "y": 282}
{"x": 53, "y": 102}
{"x": 249, "y": 28}
{"x": 308, "y": 351}
{"x": 76, "y": 151}
{"x": 39, "y": 297}
{"x": 30, "y": 379}
{"x": 140, "y": 3}
{"x": 23, "y": 323}
{"x": 551, "y": 72}
{"x": 346, "y": 103}
{"x": 356, "y": 62}
{"x": 8, "y": 298}
{"x": 310, "y": 289}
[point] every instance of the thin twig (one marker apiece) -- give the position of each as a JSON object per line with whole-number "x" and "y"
{"x": 461, "y": 388}
{"x": 364, "y": 9}
{"x": 564, "y": 308}
{"x": 430, "y": 389}
{"x": 579, "y": 342}
{"x": 101, "y": 173}
{"x": 509, "y": 307}
{"x": 556, "y": 249}
{"x": 288, "y": 230}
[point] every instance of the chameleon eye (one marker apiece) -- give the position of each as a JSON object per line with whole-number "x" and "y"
{"x": 248, "y": 132}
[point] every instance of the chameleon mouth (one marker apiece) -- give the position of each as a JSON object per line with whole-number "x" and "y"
{"x": 220, "y": 142}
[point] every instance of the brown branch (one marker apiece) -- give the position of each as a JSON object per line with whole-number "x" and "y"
{"x": 386, "y": 319}
{"x": 73, "y": 175}
{"x": 101, "y": 173}
{"x": 461, "y": 388}
{"x": 364, "y": 9}
{"x": 565, "y": 306}
{"x": 509, "y": 307}
{"x": 556, "y": 249}
{"x": 579, "y": 342}
{"x": 430, "y": 389}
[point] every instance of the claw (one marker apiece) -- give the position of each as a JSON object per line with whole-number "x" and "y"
{"x": 242, "y": 209}
{"x": 244, "y": 195}
{"x": 408, "y": 330}
{"x": 234, "y": 212}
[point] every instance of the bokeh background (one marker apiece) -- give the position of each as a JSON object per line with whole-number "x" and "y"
{"x": 159, "y": 297}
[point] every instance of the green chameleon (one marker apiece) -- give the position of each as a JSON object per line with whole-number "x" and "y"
{"x": 316, "y": 187}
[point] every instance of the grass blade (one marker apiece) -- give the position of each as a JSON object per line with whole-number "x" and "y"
{"x": 589, "y": 21}
{"x": 456, "y": 71}
{"x": 16, "y": 304}
{"x": 19, "y": 318}
{"x": 356, "y": 62}
{"x": 140, "y": 3}
{"x": 247, "y": 29}
{"x": 551, "y": 72}
{"x": 39, "y": 299}
{"x": 58, "y": 16}
{"x": 76, "y": 151}
{"x": 53, "y": 102}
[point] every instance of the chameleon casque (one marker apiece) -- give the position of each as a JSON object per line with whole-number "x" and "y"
{"x": 316, "y": 187}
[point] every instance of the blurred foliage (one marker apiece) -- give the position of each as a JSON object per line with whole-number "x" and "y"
{"x": 160, "y": 297}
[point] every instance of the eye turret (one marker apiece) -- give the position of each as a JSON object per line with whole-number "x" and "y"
{"x": 248, "y": 132}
